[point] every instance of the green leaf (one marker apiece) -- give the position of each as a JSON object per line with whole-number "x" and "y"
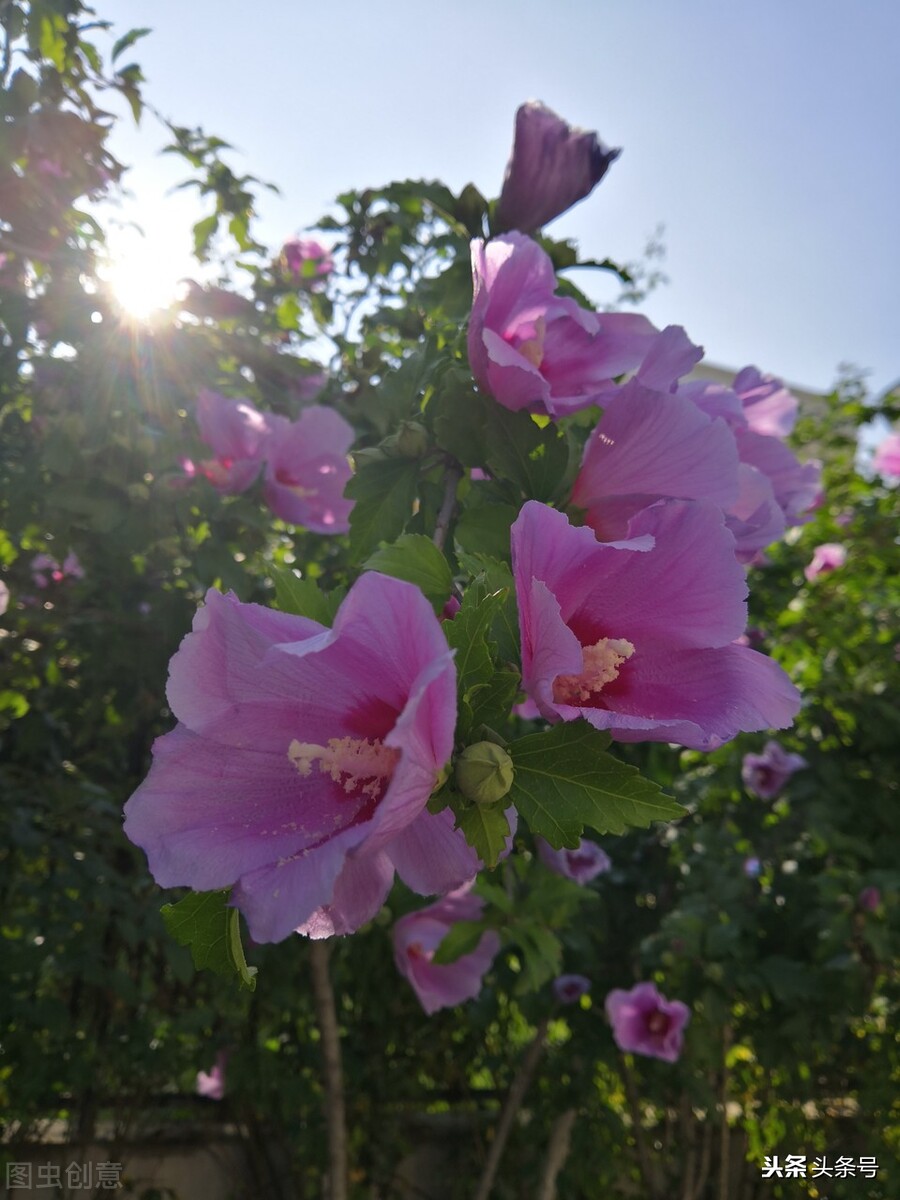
{"x": 416, "y": 559}
{"x": 566, "y": 780}
{"x": 203, "y": 234}
{"x": 483, "y": 528}
{"x": 536, "y": 460}
{"x": 304, "y": 597}
{"x": 491, "y": 703}
{"x": 126, "y": 40}
{"x": 204, "y": 922}
{"x": 384, "y": 493}
{"x": 460, "y": 420}
{"x": 493, "y": 576}
{"x": 486, "y": 829}
{"x": 462, "y": 938}
{"x": 541, "y": 955}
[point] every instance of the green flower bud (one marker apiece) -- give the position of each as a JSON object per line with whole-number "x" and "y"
{"x": 484, "y": 773}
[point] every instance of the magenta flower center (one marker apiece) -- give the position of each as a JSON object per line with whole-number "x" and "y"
{"x": 658, "y": 1023}
{"x": 601, "y": 663}
{"x": 360, "y": 765}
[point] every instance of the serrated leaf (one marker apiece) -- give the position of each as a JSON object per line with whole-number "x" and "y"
{"x": 486, "y": 829}
{"x": 462, "y": 938}
{"x": 541, "y": 955}
{"x": 415, "y": 558}
{"x": 536, "y": 460}
{"x": 304, "y": 597}
{"x": 493, "y": 576}
{"x": 384, "y": 493}
{"x": 565, "y": 780}
{"x": 126, "y": 40}
{"x": 204, "y": 922}
{"x": 491, "y": 703}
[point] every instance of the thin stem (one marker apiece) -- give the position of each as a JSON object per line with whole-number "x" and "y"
{"x": 557, "y": 1153}
{"x": 452, "y": 475}
{"x": 323, "y": 994}
{"x": 510, "y": 1109}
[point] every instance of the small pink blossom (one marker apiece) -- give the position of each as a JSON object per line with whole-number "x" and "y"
{"x": 770, "y": 409}
{"x": 307, "y": 469}
{"x": 211, "y": 1084}
{"x": 538, "y": 352}
{"x": 766, "y": 774}
{"x": 645, "y": 1022}
{"x": 569, "y": 988}
{"x": 581, "y": 865}
{"x": 46, "y": 570}
{"x": 417, "y": 937}
{"x": 303, "y": 760}
{"x": 869, "y": 899}
{"x": 886, "y": 460}
{"x": 552, "y": 167}
{"x": 307, "y": 261}
{"x": 827, "y": 557}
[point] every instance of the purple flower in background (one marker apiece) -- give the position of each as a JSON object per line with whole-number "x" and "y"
{"x": 46, "y": 570}
{"x": 552, "y": 167}
{"x": 533, "y": 350}
{"x": 569, "y": 988}
{"x": 645, "y": 1022}
{"x": 417, "y": 937}
{"x": 766, "y": 774}
{"x": 303, "y": 759}
{"x": 886, "y": 460}
{"x": 869, "y": 899}
{"x": 752, "y": 868}
{"x": 637, "y": 637}
{"x": 769, "y": 408}
{"x": 211, "y": 1084}
{"x": 307, "y": 470}
{"x": 827, "y": 557}
{"x": 581, "y": 865}
{"x": 308, "y": 261}
{"x": 237, "y": 434}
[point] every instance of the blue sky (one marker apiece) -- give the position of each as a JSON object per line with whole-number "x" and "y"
{"x": 764, "y": 137}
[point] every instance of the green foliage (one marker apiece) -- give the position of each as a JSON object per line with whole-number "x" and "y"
{"x": 204, "y": 922}
{"x": 565, "y": 780}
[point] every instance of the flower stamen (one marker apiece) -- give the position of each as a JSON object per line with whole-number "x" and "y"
{"x": 602, "y": 662}
{"x": 357, "y": 764}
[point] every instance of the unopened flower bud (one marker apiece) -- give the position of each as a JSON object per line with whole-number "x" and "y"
{"x": 484, "y": 773}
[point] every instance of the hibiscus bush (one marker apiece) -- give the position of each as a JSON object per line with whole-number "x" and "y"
{"x": 375, "y": 579}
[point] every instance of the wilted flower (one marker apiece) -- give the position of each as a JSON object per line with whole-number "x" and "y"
{"x": 569, "y": 988}
{"x": 637, "y": 636}
{"x": 211, "y": 1084}
{"x": 766, "y": 774}
{"x": 645, "y": 1022}
{"x": 417, "y": 937}
{"x": 307, "y": 260}
{"x": 533, "y": 350}
{"x": 827, "y": 557}
{"x": 869, "y": 899}
{"x": 303, "y": 760}
{"x": 307, "y": 469}
{"x": 581, "y": 865}
{"x": 552, "y": 167}
{"x": 886, "y": 460}
{"x": 237, "y": 434}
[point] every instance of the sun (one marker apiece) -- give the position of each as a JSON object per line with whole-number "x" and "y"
{"x": 142, "y": 273}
